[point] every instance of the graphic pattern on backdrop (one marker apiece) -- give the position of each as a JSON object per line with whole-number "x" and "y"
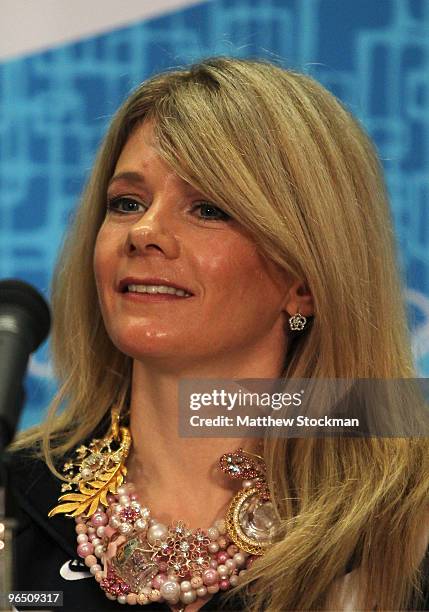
{"x": 55, "y": 107}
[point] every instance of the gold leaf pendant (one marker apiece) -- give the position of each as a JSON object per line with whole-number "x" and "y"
{"x": 99, "y": 470}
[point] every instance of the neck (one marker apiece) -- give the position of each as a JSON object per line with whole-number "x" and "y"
{"x": 173, "y": 472}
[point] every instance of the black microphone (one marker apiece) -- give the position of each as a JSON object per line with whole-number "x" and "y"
{"x": 24, "y": 324}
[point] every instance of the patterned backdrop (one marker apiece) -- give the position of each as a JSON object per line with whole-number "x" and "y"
{"x": 55, "y": 106}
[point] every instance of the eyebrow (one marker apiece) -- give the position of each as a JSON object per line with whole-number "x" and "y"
{"x": 133, "y": 177}
{"x": 138, "y": 179}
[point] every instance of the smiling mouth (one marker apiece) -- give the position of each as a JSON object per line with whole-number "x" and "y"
{"x": 156, "y": 289}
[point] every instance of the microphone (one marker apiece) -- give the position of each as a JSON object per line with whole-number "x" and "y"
{"x": 24, "y": 324}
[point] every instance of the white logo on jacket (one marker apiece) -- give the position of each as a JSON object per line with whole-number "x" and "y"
{"x": 68, "y": 574}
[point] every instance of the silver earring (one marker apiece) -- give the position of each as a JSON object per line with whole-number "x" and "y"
{"x": 297, "y": 322}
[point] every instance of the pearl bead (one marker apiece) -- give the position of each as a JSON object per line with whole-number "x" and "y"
{"x": 111, "y": 597}
{"x": 155, "y": 595}
{"x": 222, "y": 541}
{"x": 99, "y": 519}
{"x": 99, "y": 550}
{"x": 98, "y": 575}
{"x": 223, "y": 571}
{"x": 202, "y": 591}
{"x": 188, "y": 597}
{"x": 122, "y": 490}
{"x": 212, "y": 533}
{"x": 240, "y": 559}
{"x": 91, "y": 530}
{"x": 90, "y": 560}
{"x": 95, "y": 541}
{"x": 157, "y": 532}
{"x": 170, "y": 590}
{"x": 83, "y": 550}
{"x": 213, "y": 563}
{"x": 135, "y": 504}
{"x": 196, "y": 582}
{"x": 124, "y": 500}
{"x": 213, "y": 588}
{"x": 79, "y": 519}
{"x": 247, "y": 484}
{"x": 213, "y": 547}
{"x": 82, "y": 538}
{"x": 140, "y": 524}
{"x": 233, "y": 580}
{"x": 122, "y": 599}
{"x": 230, "y": 564}
{"x": 222, "y": 557}
{"x": 94, "y": 569}
{"x": 114, "y": 522}
{"x": 100, "y": 531}
{"x": 224, "y": 585}
{"x": 142, "y": 599}
{"x": 125, "y": 528}
{"x": 185, "y": 585}
{"x": 131, "y": 599}
{"x": 80, "y": 528}
{"x": 86, "y": 473}
{"x": 210, "y": 577}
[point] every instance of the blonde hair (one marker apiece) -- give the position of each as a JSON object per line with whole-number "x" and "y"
{"x": 281, "y": 154}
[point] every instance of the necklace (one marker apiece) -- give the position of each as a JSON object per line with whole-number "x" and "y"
{"x": 135, "y": 558}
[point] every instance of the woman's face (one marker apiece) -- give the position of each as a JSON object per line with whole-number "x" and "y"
{"x": 160, "y": 235}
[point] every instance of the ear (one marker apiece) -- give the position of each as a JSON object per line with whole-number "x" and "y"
{"x": 299, "y": 299}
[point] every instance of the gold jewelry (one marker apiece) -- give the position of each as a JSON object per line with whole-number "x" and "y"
{"x": 98, "y": 470}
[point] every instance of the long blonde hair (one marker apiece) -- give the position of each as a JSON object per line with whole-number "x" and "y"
{"x": 283, "y": 156}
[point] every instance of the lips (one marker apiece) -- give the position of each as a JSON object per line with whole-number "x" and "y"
{"x": 132, "y": 280}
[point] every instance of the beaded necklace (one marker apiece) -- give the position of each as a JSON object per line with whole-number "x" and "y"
{"x": 138, "y": 560}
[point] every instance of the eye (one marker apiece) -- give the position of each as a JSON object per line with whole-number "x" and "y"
{"x": 210, "y": 212}
{"x": 124, "y": 205}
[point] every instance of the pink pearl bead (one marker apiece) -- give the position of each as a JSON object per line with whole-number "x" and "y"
{"x": 210, "y": 577}
{"x": 158, "y": 580}
{"x": 111, "y": 498}
{"x": 212, "y": 589}
{"x": 222, "y": 557}
{"x": 213, "y": 564}
{"x": 133, "y": 497}
{"x": 79, "y": 519}
{"x": 80, "y": 528}
{"x": 90, "y": 560}
{"x": 163, "y": 567}
{"x": 99, "y": 520}
{"x": 224, "y": 584}
{"x": 91, "y": 529}
{"x": 83, "y": 550}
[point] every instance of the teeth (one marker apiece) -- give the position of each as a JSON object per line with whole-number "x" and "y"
{"x": 157, "y": 289}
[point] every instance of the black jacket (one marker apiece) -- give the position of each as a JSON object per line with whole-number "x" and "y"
{"x": 42, "y": 546}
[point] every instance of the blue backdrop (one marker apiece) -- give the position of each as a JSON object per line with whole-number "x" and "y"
{"x": 55, "y": 107}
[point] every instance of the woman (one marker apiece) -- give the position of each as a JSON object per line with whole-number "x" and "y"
{"x": 235, "y": 226}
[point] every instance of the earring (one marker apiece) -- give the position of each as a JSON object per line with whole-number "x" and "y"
{"x": 297, "y": 322}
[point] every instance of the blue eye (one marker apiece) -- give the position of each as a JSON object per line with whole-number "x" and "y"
{"x": 124, "y": 205}
{"x": 210, "y": 212}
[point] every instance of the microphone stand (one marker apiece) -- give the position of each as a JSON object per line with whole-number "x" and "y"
{"x": 8, "y": 521}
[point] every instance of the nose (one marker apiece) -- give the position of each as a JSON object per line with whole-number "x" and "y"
{"x": 152, "y": 233}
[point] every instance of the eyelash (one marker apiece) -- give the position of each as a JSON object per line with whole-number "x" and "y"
{"x": 114, "y": 203}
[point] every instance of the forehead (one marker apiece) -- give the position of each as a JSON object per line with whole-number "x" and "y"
{"x": 140, "y": 161}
